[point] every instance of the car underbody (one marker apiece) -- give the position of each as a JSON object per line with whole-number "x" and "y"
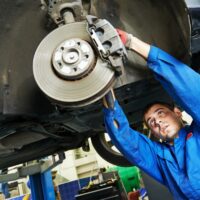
{"x": 35, "y": 121}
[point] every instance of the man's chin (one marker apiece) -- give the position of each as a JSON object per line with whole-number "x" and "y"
{"x": 171, "y": 136}
{"x": 168, "y": 137}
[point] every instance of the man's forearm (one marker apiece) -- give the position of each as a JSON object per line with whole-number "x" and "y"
{"x": 139, "y": 46}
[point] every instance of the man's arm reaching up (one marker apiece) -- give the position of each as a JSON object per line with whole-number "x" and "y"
{"x": 137, "y": 148}
{"x": 180, "y": 81}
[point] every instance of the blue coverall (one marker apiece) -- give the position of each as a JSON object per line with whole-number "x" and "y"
{"x": 4, "y": 190}
{"x": 177, "y": 167}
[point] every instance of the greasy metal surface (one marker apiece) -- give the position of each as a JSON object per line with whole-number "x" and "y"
{"x": 74, "y": 93}
{"x": 23, "y": 26}
{"x": 56, "y": 8}
{"x": 195, "y": 23}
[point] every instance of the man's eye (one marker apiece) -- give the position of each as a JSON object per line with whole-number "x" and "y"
{"x": 161, "y": 113}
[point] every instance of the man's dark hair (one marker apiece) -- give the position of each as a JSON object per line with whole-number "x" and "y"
{"x": 148, "y": 106}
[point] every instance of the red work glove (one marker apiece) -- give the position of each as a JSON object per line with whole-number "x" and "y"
{"x": 125, "y": 37}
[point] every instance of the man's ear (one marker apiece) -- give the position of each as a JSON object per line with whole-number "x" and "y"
{"x": 178, "y": 112}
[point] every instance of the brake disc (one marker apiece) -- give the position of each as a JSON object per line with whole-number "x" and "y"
{"x": 67, "y": 70}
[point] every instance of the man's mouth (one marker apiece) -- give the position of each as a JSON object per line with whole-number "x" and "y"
{"x": 164, "y": 129}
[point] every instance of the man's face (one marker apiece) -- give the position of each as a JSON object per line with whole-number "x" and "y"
{"x": 163, "y": 122}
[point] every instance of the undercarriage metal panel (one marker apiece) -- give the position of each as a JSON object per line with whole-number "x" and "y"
{"x": 22, "y": 29}
{"x": 195, "y": 19}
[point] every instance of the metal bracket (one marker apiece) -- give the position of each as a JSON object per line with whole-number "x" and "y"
{"x": 107, "y": 42}
{"x": 40, "y": 166}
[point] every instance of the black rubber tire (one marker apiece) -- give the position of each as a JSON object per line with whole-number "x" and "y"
{"x": 104, "y": 150}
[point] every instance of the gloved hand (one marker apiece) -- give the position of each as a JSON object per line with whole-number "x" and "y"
{"x": 134, "y": 44}
{"x": 125, "y": 37}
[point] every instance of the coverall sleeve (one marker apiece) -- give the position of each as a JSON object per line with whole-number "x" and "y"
{"x": 137, "y": 148}
{"x": 180, "y": 81}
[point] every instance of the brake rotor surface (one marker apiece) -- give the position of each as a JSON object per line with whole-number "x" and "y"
{"x": 66, "y": 69}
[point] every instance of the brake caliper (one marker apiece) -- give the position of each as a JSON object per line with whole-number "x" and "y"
{"x": 107, "y": 43}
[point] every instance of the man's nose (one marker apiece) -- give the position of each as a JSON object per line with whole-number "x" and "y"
{"x": 159, "y": 121}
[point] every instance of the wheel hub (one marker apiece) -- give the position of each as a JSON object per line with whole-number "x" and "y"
{"x": 73, "y": 59}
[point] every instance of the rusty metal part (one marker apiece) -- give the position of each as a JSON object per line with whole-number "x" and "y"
{"x": 65, "y": 11}
{"x": 68, "y": 17}
{"x": 84, "y": 87}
